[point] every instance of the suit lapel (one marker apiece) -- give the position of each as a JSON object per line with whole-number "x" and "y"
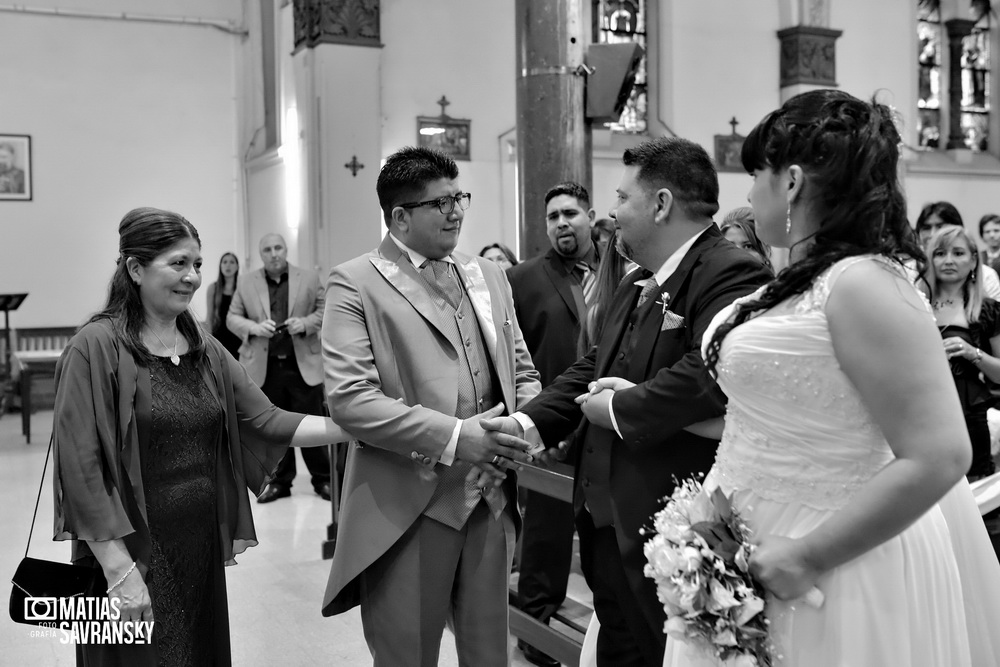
{"x": 260, "y": 283}
{"x": 399, "y": 272}
{"x": 650, "y": 320}
{"x": 618, "y": 319}
{"x": 294, "y": 281}
{"x": 555, "y": 271}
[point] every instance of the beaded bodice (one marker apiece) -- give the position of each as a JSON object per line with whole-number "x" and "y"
{"x": 796, "y": 428}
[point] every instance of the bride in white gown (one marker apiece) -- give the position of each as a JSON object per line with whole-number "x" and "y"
{"x": 843, "y": 431}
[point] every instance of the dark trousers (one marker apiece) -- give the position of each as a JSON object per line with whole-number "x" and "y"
{"x": 626, "y": 638}
{"x": 287, "y": 390}
{"x": 546, "y": 554}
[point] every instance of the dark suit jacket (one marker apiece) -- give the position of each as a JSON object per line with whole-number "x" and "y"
{"x": 547, "y": 312}
{"x": 672, "y": 392}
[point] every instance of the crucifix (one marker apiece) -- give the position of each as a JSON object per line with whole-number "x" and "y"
{"x": 354, "y": 165}
{"x": 734, "y": 123}
{"x": 444, "y": 103}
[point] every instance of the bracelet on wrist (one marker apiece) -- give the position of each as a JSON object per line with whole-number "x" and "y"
{"x": 979, "y": 356}
{"x": 122, "y": 580}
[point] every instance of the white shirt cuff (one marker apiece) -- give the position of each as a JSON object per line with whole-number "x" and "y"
{"x": 530, "y": 432}
{"x": 448, "y": 455}
{"x": 611, "y": 413}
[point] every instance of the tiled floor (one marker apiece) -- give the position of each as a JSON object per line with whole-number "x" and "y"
{"x": 274, "y": 593}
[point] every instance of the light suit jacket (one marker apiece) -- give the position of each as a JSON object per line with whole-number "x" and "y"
{"x": 252, "y": 304}
{"x": 392, "y": 381}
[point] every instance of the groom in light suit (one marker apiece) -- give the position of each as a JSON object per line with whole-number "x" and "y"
{"x": 419, "y": 344}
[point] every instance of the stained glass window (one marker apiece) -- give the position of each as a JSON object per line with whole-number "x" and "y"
{"x": 976, "y": 86}
{"x": 929, "y": 77}
{"x": 617, "y": 21}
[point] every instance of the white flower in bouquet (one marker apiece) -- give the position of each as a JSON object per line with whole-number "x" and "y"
{"x": 697, "y": 557}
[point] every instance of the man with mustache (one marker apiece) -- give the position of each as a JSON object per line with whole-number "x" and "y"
{"x": 551, "y": 299}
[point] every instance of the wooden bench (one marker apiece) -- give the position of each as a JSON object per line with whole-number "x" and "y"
{"x": 34, "y": 353}
{"x": 562, "y": 639}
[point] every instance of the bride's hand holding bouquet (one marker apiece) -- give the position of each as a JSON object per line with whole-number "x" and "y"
{"x": 781, "y": 565}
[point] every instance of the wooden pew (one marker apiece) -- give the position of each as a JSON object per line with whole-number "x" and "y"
{"x": 563, "y": 638}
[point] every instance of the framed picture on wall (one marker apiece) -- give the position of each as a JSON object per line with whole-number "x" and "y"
{"x": 15, "y": 167}
{"x": 447, "y": 134}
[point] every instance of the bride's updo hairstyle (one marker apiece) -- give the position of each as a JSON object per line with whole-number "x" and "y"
{"x": 848, "y": 151}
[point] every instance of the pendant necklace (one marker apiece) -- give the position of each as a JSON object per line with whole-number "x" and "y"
{"x": 174, "y": 359}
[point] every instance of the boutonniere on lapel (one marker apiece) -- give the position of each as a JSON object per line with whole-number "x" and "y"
{"x": 671, "y": 320}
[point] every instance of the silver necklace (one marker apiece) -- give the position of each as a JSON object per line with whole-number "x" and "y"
{"x": 174, "y": 359}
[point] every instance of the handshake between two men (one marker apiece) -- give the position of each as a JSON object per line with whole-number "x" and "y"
{"x": 494, "y": 443}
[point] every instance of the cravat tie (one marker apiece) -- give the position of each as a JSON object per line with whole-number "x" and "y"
{"x": 588, "y": 281}
{"x": 438, "y": 273}
{"x": 647, "y": 291}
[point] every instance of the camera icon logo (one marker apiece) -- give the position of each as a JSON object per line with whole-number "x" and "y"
{"x": 41, "y": 609}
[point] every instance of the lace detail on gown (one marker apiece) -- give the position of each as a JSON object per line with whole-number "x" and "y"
{"x": 796, "y": 428}
{"x": 180, "y": 482}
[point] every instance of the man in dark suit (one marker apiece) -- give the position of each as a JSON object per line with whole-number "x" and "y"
{"x": 644, "y": 385}
{"x": 550, "y": 299}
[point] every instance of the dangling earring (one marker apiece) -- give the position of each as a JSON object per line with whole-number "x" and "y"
{"x": 788, "y": 219}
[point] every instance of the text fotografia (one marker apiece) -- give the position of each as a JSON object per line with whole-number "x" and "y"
{"x": 85, "y": 620}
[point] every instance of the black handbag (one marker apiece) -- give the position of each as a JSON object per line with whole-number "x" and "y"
{"x": 42, "y": 588}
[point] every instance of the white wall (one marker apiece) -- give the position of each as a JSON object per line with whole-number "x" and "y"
{"x": 121, "y": 114}
{"x": 463, "y": 49}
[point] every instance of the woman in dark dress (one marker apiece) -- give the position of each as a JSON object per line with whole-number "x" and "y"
{"x": 219, "y": 296}
{"x": 158, "y": 434}
{"x": 970, "y": 326}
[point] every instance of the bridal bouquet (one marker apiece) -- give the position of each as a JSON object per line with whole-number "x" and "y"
{"x": 697, "y": 556}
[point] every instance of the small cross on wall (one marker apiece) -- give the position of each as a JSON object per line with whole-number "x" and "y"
{"x": 354, "y": 165}
{"x": 444, "y": 103}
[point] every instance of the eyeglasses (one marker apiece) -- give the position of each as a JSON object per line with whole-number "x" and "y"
{"x": 445, "y": 204}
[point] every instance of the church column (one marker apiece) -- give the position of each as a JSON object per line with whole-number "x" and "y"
{"x": 337, "y": 78}
{"x": 958, "y": 30}
{"x": 808, "y": 47}
{"x": 553, "y": 134}
{"x": 336, "y": 65}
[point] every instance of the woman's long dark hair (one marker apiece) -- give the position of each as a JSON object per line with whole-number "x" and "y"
{"x": 144, "y": 234}
{"x": 221, "y": 284}
{"x": 848, "y": 150}
{"x": 609, "y": 277}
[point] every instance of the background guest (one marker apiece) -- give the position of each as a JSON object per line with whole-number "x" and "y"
{"x": 154, "y": 455}
{"x": 940, "y": 214}
{"x": 601, "y": 233}
{"x": 500, "y": 254}
{"x": 989, "y": 232}
{"x": 278, "y": 311}
{"x": 969, "y": 322}
{"x": 219, "y": 297}
{"x": 552, "y": 294}
{"x": 738, "y": 227}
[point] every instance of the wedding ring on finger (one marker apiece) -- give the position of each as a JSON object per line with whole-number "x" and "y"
{"x": 496, "y": 460}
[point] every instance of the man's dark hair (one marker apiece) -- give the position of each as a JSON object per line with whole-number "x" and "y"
{"x": 569, "y": 188}
{"x": 681, "y": 166}
{"x": 407, "y": 172}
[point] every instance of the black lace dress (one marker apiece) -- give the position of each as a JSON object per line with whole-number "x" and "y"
{"x": 179, "y": 477}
